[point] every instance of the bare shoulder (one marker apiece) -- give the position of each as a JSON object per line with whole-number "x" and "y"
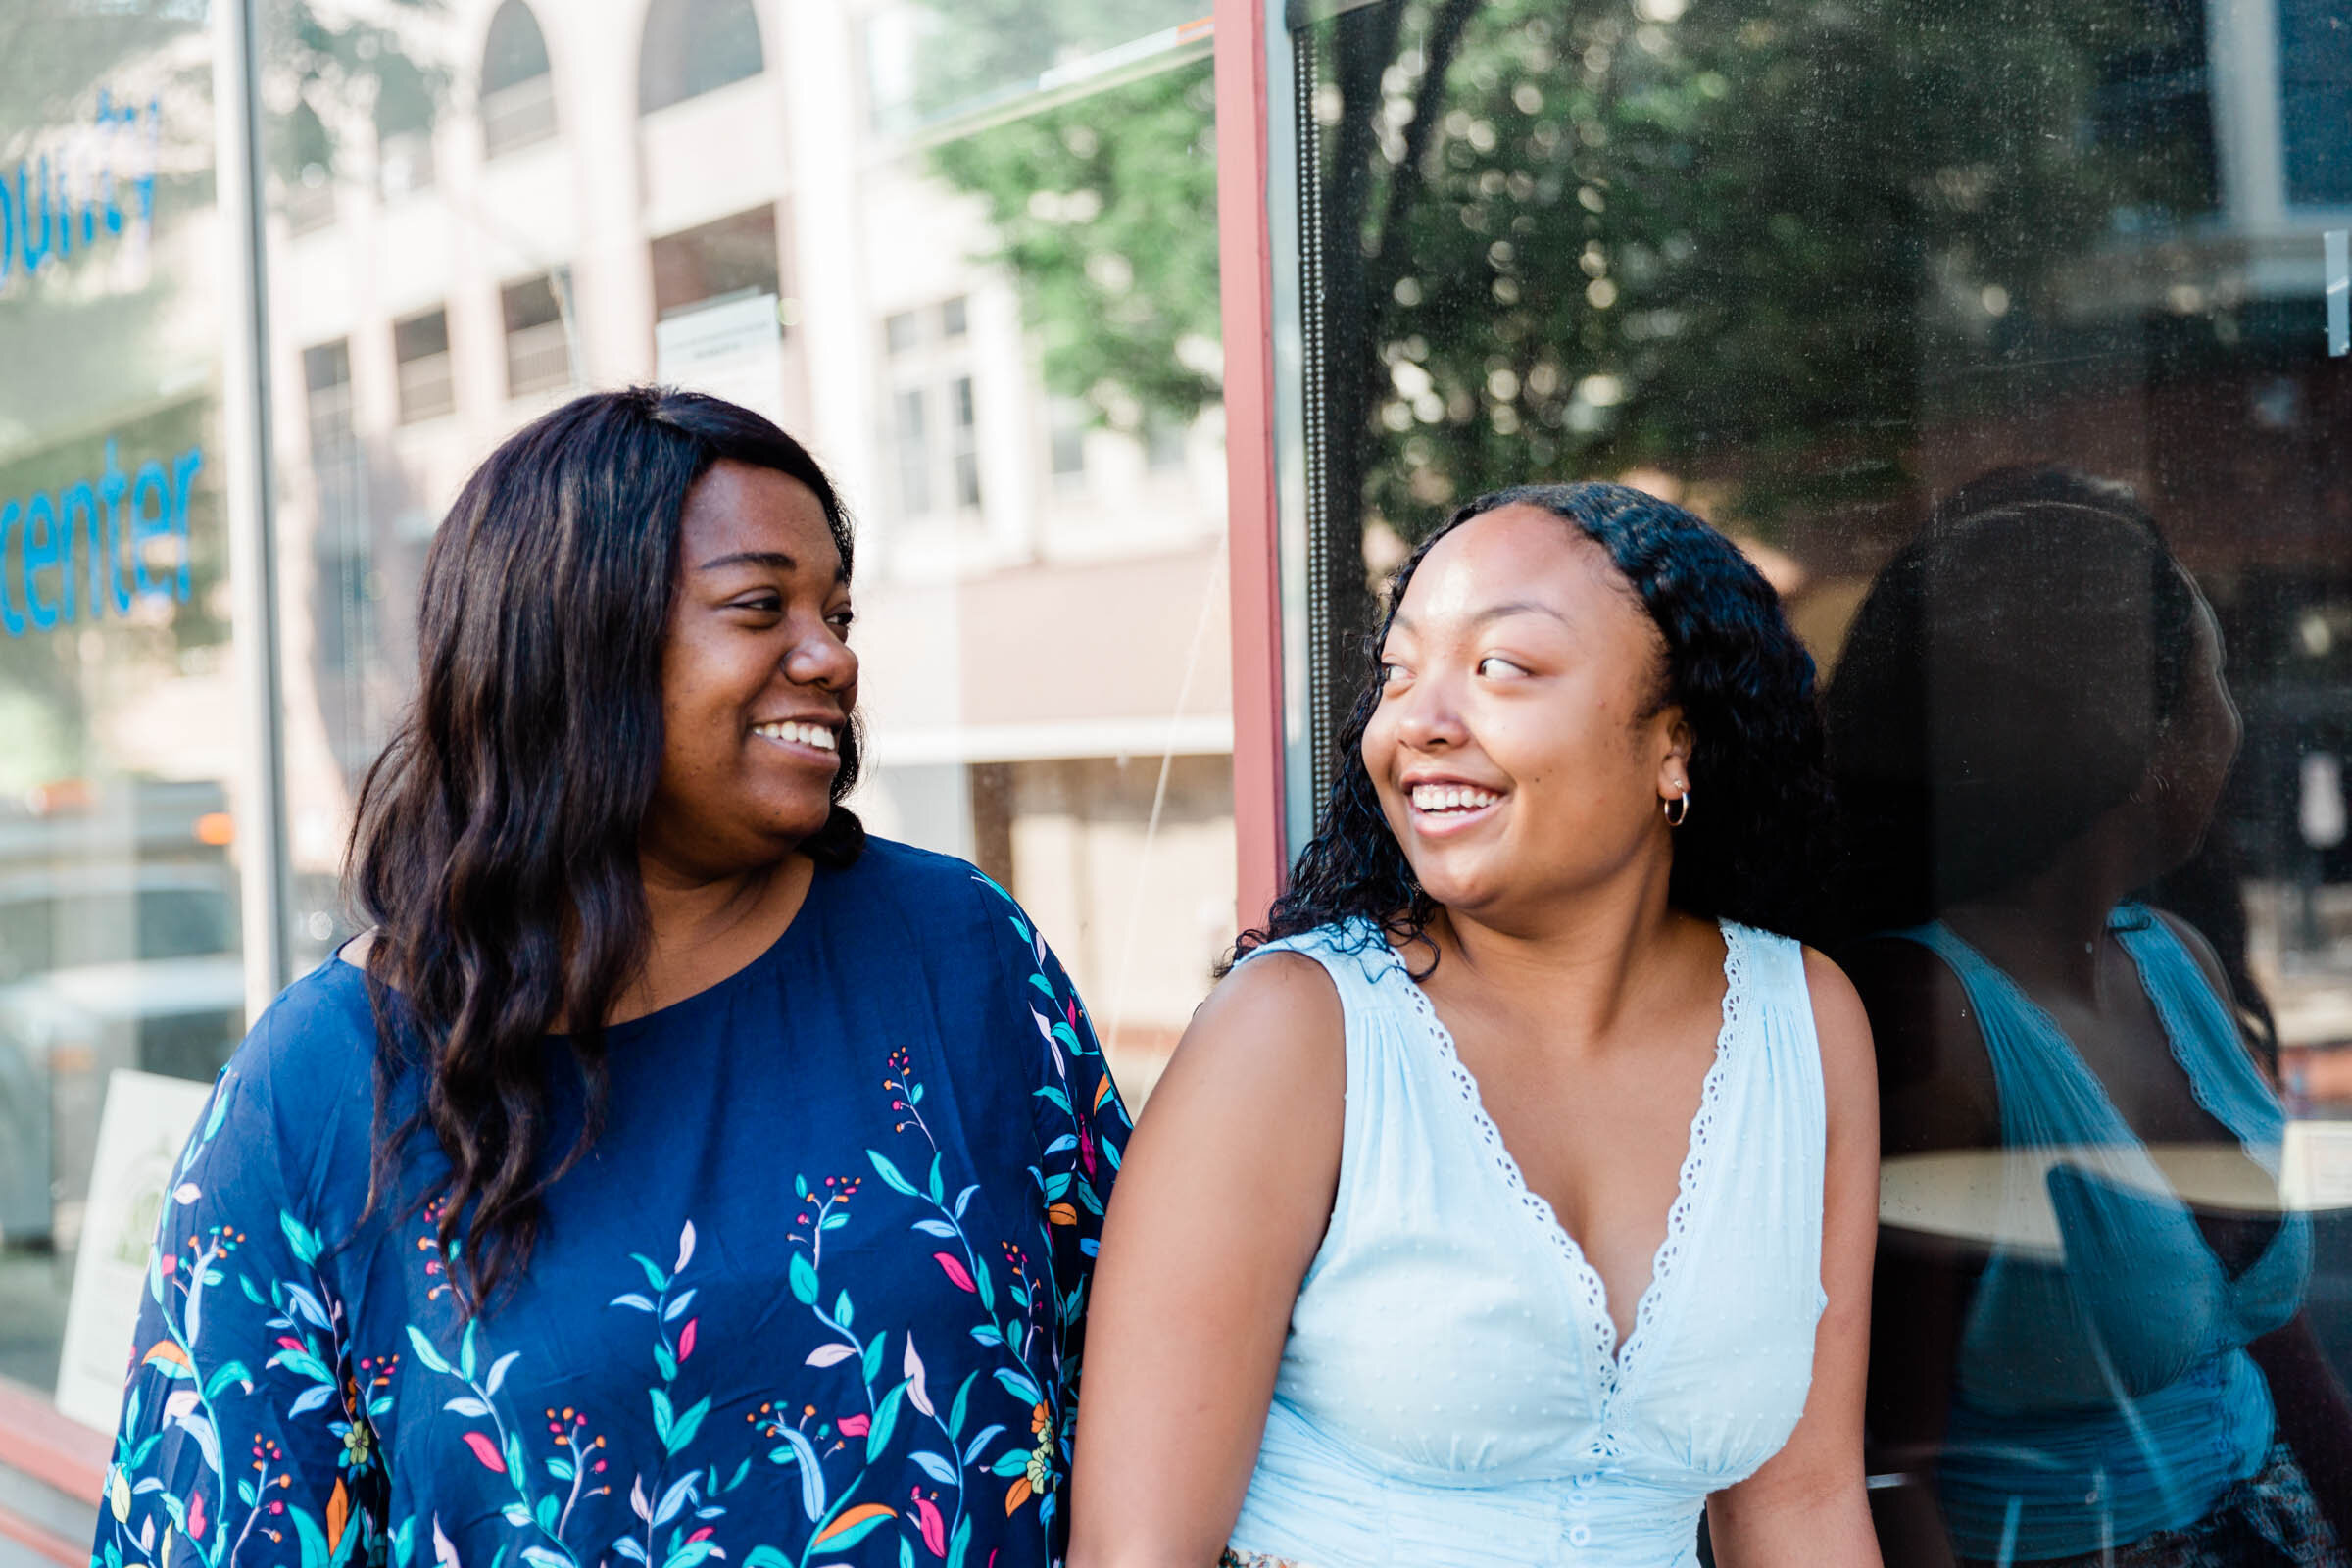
{"x": 1848, "y": 1064}
{"x": 1273, "y": 1026}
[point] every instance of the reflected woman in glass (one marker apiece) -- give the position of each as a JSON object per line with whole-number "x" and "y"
{"x": 2088, "y": 1330}
{"x": 1511, "y": 1202}
{"x": 675, "y": 1175}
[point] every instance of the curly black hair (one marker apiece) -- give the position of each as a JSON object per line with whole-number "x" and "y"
{"x": 1744, "y": 683}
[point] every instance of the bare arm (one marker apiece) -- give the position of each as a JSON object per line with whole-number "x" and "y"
{"x": 1218, "y": 1211}
{"x": 1806, "y": 1507}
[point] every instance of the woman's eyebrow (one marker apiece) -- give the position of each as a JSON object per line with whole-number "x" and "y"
{"x": 775, "y": 558}
{"x": 1517, "y": 606}
{"x": 1492, "y": 613}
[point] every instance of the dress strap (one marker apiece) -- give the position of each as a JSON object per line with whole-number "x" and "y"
{"x": 2047, "y": 1094}
{"x": 2204, "y": 1034}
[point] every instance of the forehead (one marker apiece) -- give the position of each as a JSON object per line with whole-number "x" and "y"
{"x": 1517, "y": 553}
{"x": 737, "y": 508}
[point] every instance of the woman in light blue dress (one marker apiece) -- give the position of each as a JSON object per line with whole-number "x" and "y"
{"x": 1511, "y": 1202}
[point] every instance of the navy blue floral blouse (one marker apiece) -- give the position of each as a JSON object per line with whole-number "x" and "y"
{"x": 815, "y": 1297}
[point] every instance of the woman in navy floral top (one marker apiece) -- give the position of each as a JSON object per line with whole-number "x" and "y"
{"x": 787, "y": 1263}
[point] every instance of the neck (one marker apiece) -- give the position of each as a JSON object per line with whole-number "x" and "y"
{"x": 687, "y": 906}
{"x": 1581, "y": 960}
{"x": 2049, "y": 928}
{"x": 704, "y": 925}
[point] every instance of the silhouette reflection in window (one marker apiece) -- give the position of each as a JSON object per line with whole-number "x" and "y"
{"x": 2088, "y": 1345}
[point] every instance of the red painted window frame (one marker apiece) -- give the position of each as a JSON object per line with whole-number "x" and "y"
{"x": 1246, "y": 270}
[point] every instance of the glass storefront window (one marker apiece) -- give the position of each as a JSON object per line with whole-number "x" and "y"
{"x": 1041, "y": 521}
{"x": 2002, "y": 340}
{"x": 469, "y": 213}
{"x": 119, "y": 811}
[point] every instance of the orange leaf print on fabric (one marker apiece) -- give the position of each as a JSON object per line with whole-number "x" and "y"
{"x": 851, "y": 1519}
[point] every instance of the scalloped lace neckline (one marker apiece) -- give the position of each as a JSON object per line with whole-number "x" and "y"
{"x": 1616, "y": 1364}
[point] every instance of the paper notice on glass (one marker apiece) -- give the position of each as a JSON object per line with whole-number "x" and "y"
{"x": 2315, "y": 1165}
{"x": 733, "y": 349}
{"x": 147, "y": 1121}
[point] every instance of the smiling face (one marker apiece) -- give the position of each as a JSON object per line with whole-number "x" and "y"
{"x": 1521, "y": 751}
{"x": 758, "y": 680}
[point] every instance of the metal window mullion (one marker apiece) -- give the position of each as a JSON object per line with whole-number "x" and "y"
{"x": 265, "y": 885}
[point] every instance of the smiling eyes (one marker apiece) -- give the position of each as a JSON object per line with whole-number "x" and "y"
{"x": 772, "y": 604}
{"x": 1493, "y": 667}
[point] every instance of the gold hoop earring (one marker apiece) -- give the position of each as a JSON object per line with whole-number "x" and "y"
{"x": 1678, "y": 810}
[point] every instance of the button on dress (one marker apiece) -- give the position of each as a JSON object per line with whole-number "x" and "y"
{"x": 815, "y": 1295}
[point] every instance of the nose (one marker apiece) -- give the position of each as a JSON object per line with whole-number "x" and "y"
{"x": 1431, "y": 722}
{"x": 821, "y": 660}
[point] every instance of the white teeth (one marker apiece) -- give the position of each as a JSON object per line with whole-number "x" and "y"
{"x": 1452, "y": 798}
{"x": 816, "y": 735}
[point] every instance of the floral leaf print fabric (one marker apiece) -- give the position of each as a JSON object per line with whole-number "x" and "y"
{"x": 817, "y": 1297}
{"x": 243, "y": 1435}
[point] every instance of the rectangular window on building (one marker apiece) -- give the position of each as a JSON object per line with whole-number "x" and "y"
{"x": 912, "y": 440}
{"x": 1163, "y": 441}
{"x": 420, "y": 353}
{"x": 1066, "y": 425}
{"x": 538, "y": 344}
{"x": 901, "y": 332}
{"x": 936, "y": 423}
{"x": 964, "y": 438}
{"x": 326, "y": 382}
{"x": 733, "y": 258}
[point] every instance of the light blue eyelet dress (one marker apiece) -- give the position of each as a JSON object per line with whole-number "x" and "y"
{"x": 1450, "y": 1394}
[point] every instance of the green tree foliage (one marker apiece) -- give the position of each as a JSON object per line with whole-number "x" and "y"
{"x": 1730, "y": 237}
{"x": 1105, "y": 211}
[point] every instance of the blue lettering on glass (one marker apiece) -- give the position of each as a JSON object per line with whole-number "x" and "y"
{"x": 12, "y": 619}
{"x": 40, "y": 206}
{"x": 42, "y": 583}
{"x": 42, "y": 554}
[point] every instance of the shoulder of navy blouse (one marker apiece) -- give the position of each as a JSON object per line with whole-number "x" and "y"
{"x": 818, "y": 1292}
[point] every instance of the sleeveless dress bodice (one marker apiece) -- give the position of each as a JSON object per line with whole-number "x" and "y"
{"x": 1452, "y": 1394}
{"x": 2106, "y": 1394}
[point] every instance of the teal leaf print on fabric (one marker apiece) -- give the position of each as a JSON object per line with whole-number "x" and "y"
{"x": 711, "y": 1362}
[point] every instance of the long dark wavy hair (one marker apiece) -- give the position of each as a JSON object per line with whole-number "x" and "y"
{"x": 1744, "y": 684}
{"x": 495, "y": 851}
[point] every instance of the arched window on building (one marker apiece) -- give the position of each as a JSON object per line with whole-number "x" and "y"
{"x": 692, "y": 47}
{"x": 518, "y": 95}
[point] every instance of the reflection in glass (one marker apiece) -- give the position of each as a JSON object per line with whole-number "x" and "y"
{"x": 2029, "y": 724}
{"x": 119, "y": 829}
{"x": 1810, "y": 269}
{"x": 1043, "y": 656}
